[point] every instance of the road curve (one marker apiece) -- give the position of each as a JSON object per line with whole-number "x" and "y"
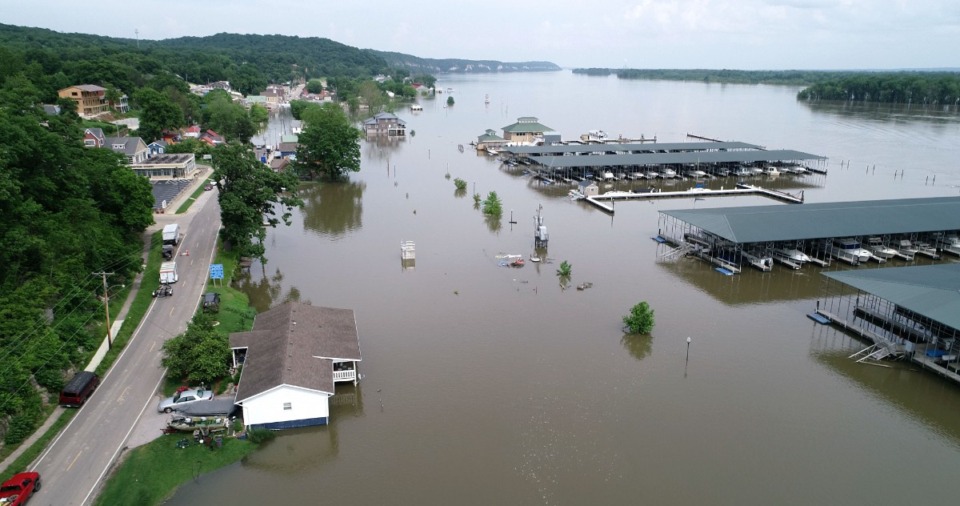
{"x": 74, "y": 465}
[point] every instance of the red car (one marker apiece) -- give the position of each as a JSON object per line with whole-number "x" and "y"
{"x": 17, "y": 490}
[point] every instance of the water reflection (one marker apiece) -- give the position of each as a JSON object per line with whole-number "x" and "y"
{"x": 913, "y": 113}
{"x": 333, "y": 209}
{"x": 639, "y": 346}
{"x": 266, "y": 291}
{"x": 921, "y": 396}
{"x": 748, "y": 287}
{"x": 305, "y": 450}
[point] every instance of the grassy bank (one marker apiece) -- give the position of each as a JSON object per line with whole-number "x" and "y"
{"x": 150, "y": 473}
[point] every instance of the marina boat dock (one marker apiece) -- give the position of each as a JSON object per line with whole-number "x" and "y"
{"x": 814, "y": 233}
{"x": 906, "y": 313}
{"x": 606, "y": 201}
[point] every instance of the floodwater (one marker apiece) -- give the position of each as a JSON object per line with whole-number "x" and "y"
{"x": 485, "y": 384}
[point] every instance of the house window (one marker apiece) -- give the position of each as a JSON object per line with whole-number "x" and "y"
{"x": 287, "y": 406}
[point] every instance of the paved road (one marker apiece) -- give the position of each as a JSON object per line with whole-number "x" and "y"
{"x": 80, "y": 457}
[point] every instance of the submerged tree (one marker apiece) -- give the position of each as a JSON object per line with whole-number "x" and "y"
{"x": 640, "y": 319}
{"x": 492, "y": 205}
{"x": 329, "y": 146}
{"x": 564, "y": 273}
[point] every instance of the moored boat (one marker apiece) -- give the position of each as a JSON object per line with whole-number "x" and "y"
{"x": 848, "y": 250}
{"x": 792, "y": 254}
{"x": 876, "y": 246}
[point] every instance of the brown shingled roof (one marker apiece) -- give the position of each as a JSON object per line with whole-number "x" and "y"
{"x": 295, "y": 344}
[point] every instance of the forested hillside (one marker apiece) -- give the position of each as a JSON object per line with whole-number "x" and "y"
{"x": 55, "y": 60}
{"x": 67, "y": 212}
{"x": 416, "y": 64}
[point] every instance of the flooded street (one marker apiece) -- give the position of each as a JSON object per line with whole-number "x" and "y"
{"x": 485, "y": 384}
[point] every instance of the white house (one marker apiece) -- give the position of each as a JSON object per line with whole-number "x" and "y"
{"x": 291, "y": 360}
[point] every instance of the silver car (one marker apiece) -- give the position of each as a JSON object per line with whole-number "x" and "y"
{"x": 183, "y": 398}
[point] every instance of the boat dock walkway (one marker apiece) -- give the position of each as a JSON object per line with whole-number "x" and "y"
{"x": 740, "y": 189}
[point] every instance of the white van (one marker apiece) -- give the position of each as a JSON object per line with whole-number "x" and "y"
{"x": 171, "y": 234}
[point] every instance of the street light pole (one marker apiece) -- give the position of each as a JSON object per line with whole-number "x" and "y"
{"x": 106, "y": 305}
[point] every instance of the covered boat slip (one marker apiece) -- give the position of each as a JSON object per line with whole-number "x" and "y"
{"x": 628, "y": 148}
{"x": 908, "y": 312}
{"x": 820, "y": 232}
{"x": 709, "y": 157}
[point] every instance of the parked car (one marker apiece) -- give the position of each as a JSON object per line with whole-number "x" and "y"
{"x": 208, "y": 187}
{"x": 17, "y": 490}
{"x": 184, "y": 398}
{"x": 78, "y": 389}
{"x": 211, "y": 302}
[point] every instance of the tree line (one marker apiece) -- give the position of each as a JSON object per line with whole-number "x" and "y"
{"x": 920, "y": 87}
{"x": 890, "y": 88}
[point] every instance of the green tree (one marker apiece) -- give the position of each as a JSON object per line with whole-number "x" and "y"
{"x": 227, "y": 118}
{"x": 297, "y": 107}
{"x": 157, "y": 113}
{"x": 249, "y": 195}
{"x": 640, "y": 319}
{"x": 329, "y": 146}
{"x": 492, "y": 205}
{"x": 450, "y": 101}
{"x": 199, "y": 355}
{"x": 315, "y": 86}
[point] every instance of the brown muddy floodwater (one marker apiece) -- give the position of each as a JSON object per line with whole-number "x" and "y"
{"x": 493, "y": 385}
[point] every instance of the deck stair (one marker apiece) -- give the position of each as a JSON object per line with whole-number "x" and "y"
{"x": 873, "y": 353}
{"x": 683, "y": 249}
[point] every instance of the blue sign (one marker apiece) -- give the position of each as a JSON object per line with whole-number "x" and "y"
{"x": 216, "y": 271}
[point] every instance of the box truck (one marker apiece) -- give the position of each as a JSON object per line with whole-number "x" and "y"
{"x": 171, "y": 234}
{"x": 168, "y": 273}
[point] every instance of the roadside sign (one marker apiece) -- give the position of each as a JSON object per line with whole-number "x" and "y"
{"x": 216, "y": 271}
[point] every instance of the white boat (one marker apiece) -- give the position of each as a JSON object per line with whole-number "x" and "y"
{"x": 927, "y": 249}
{"x": 742, "y": 172}
{"x": 953, "y": 249}
{"x": 697, "y": 174}
{"x": 756, "y": 171}
{"x": 906, "y": 250}
{"x": 793, "y": 254}
{"x": 950, "y": 244}
{"x": 848, "y": 250}
{"x": 668, "y": 173}
{"x": 416, "y": 108}
{"x": 594, "y": 136}
{"x": 770, "y": 170}
{"x": 876, "y": 246}
{"x": 607, "y": 176}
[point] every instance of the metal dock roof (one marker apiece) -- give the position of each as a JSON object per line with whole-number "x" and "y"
{"x": 930, "y": 290}
{"x": 823, "y": 220}
{"x": 684, "y": 158}
{"x": 641, "y": 147}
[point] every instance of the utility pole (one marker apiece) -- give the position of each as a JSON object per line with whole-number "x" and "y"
{"x": 106, "y": 305}
{"x": 137, "y": 32}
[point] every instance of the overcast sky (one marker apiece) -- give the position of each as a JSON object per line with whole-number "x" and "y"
{"x": 733, "y": 34}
